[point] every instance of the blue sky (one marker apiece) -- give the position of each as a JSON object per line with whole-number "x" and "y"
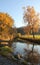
{"x": 14, "y": 9}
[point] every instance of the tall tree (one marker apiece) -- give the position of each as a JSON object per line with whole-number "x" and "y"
{"x": 32, "y": 18}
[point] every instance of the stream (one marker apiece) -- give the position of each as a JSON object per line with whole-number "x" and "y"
{"x": 19, "y": 47}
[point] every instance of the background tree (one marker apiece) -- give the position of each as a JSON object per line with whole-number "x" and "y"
{"x": 32, "y": 18}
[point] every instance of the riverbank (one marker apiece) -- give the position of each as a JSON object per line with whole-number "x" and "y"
{"x": 6, "y": 61}
{"x": 7, "y": 57}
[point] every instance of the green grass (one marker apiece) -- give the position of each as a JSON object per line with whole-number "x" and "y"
{"x": 5, "y": 50}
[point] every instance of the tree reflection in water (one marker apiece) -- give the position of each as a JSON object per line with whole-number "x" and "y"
{"x": 31, "y": 57}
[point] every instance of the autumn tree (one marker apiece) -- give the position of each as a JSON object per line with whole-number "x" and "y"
{"x": 32, "y": 18}
{"x": 6, "y": 30}
{"x": 6, "y": 19}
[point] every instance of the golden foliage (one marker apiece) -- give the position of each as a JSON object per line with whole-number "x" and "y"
{"x": 32, "y": 18}
{"x": 6, "y": 30}
{"x": 6, "y": 19}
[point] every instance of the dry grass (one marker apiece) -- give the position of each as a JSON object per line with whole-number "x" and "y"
{"x": 37, "y": 37}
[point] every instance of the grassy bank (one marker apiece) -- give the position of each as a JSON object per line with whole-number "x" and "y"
{"x": 37, "y": 37}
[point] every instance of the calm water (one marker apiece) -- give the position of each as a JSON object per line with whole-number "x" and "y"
{"x": 19, "y": 47}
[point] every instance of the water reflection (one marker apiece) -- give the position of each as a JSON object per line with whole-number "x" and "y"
{"x": 33, "y": 58}
{"x": 19, "y": 52}
{"x": 19, "y": 47}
